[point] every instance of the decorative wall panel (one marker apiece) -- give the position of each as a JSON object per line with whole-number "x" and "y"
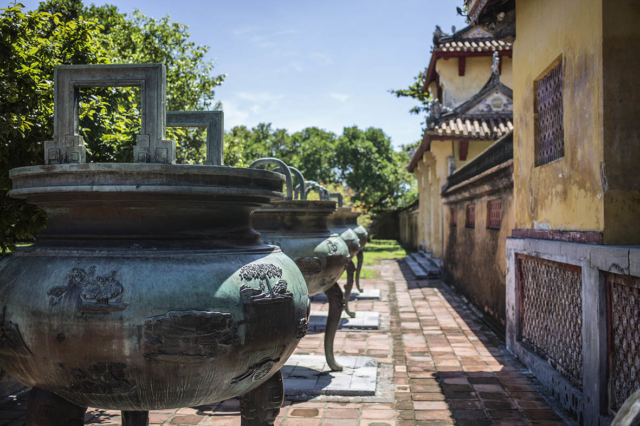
{"x": 551, "y": 313}
{"x": 550, "y": 116}
{"x": 624, "y": 337}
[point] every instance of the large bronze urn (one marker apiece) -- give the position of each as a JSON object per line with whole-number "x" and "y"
{"x": 351, "y": 220}
{"x": 338, "y": 224}
{"x": 299, "y": 228}
{"x": 149, "y": 288}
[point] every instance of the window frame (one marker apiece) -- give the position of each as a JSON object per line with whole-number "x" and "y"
{"x": 468, "y": 224}
{"x": 490, "y": 225}
{"x": 539, "y": 162}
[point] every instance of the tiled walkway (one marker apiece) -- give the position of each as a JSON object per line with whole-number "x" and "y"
{"x": 448, "y": 369}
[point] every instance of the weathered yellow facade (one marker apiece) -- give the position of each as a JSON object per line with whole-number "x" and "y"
{"x": 455, "y": 140}
{"x": 458, "y": 89}
{"x": 595, "y": 186}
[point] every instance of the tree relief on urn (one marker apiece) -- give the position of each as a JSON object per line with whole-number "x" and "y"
{"x": 95, "y": 293}
{"x": 271, "y": 287}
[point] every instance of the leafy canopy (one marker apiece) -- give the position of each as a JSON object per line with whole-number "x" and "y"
{"x": 363, "y": 162}
{"x": 65, "y": 32}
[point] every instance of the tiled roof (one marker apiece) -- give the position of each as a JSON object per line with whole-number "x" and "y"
{"x": 469, "y": 41}
{"x": 474, "y": 127}
{"x": 488, "y": 115}
{"x": 480, "y": 45}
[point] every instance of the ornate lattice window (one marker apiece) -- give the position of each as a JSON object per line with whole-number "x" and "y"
{"x": 471, "y": 215}
{"x": 495, "y": 214}
{"x": 551, "y": 313}
{"x": 454, "y": 216}
{"x": 624, "y": 338}
{"x": 549, "y": 124}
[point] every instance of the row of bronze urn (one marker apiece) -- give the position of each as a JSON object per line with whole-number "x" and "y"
{"x": 150, "y": 287}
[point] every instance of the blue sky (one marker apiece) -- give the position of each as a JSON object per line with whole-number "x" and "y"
{"x": 325, "y": 63}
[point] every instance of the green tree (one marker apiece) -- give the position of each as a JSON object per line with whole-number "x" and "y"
{"x": 191, "y": 82}
{"x": 313, "y": 150}
{"x": 31, "y": 44}
{"x": 370, "y": 166}
{"x": 65, "y": 32}
{"x": 416, "y": 91}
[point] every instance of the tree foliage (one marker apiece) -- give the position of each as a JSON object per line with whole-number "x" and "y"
{"x": 416, "y": 91}
{"x": 31, "y": 44}
{"x": 363, "y": 161}
{"x": 65, "y": 32}
{"x": 137, "y": 38}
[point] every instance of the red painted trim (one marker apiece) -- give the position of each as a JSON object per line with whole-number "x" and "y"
{"x": 464, "y": 150}
{"x": 461, "y": 66}
{"x": 567, "y": 236}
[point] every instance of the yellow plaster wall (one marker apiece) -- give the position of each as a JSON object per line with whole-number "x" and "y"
{"x": 567, "y": 193}
{"x": 435, "y": 166}
{"x": 457, "y": 89}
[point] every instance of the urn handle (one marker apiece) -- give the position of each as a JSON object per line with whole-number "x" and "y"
{"x": 322, "y": 191}
{"x": 337, "y": 196}
{"x": 283, "y": 167}
{"x": 301, "y": 192}
{"x": 213, "y": 121}
{"x": 67, "y": 145}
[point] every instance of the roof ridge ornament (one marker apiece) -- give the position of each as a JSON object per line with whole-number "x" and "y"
{"x": 495, "y": 66}
{"x": 437, "y": 35}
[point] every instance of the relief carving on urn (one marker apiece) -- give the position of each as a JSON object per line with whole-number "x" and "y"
{"x": 188, "y": 336}
{"x": 96, "y": 293}
{"x": 266, "y": 293}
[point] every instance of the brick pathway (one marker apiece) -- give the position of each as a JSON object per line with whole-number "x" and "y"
{"x": 448, "y": 369}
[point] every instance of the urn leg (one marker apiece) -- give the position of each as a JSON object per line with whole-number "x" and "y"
{"x": 135, "y": 418}
{"x": 261, "y": 406}
{"x": 351, "y": 269}
{"x": 48, "y": 409}
{"x": 336, "y": 304}
{"x": 358, "y": 269}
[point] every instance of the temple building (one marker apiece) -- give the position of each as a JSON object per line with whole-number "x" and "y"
{"x": 572, "y": 265}
{"x": 469, "y": 79}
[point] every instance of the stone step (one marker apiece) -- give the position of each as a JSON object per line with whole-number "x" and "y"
{"x": 362, "y": 321}
{"x": 427, "y": 263}
{"x": 367, "y": 294}
{"x": 310, "y": 375}
{"x": 417, "y": 270}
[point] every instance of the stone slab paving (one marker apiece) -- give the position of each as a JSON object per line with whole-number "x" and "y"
{"x": 362, "y": 321}
{"x": 367, "y": 294}
{"x": 310, "y": 375}
{"x": 445, "y": 366}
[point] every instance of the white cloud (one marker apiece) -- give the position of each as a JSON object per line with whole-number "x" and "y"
{"x": 296, "y": 66}
{"x": 341, "y": 97}
{"x": 321, "y": 58}
{"x": 233, "y": 116}
{"x": 260, "y": 97}
{"x": 243, "y": 30}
